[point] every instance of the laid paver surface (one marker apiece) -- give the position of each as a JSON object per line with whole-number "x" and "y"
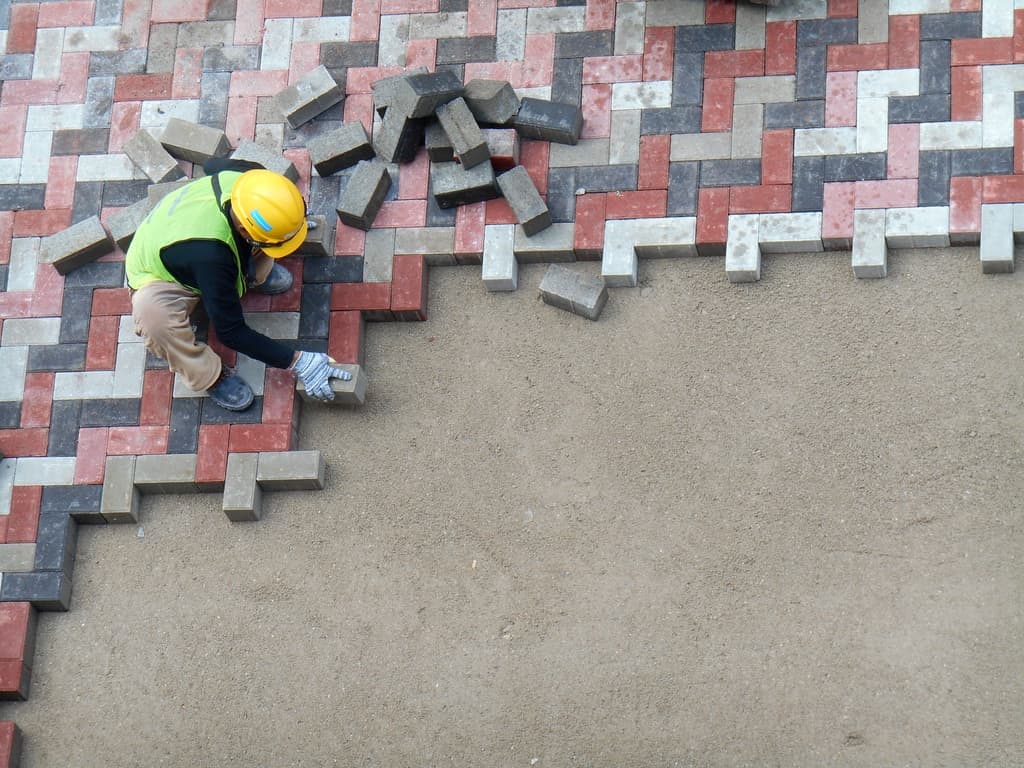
{"x": 787, "y": 125}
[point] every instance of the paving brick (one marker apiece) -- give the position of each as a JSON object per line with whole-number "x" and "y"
{"x": 723, "y": 173}
{"x": 810, "y": 72}
{"x": 870, "y": 254}
{"x": 79, "y": 244}
{"x": 166, "y": 474}
{"x": 195, "y": 143}
{"x": 521, "y": 194}
{"x": 273, "y": 161}
{"x": 291, "y": 471}
{"x": 315, "y": 93}
{"x": 855, "y": 167}
{"x": 931, "y": 108}
{"x": 45, "y": 590}
{"x": 611, "y": 178}
{"x": 790, "y": 232}
{"x": 349, "y": 393}
{"x": 492, "y": 102}
{"x": 17, "y": 558}
{"x": 152, "y": 159}
{"x": 463, "y": 133}
{"x": 120, "y": 500}
{"x": 341, "y": 148}
{"x": 549, "y": 121}
{"x": 926, "y": 227}
{"x": 347, "y": 331}
{"x": 742, "y": 252}
{"x": 409, "y": 287}
{"x": 500, "y": 270}
{"x": 981, "y": 162}
{"x": 81, "y": 502}
{"x": 363, "y": 195}
{"x": 453, "y": 184}
{"x": 554, "y": 244}
{"x": 57, "y": 543}
{"x": 997, "y": 238}
{"x": 243, "y": 498}
{"x": 125, "y": 223}
{"x": 574, "y": 292}
{"x": 680, "y": 119}
{"x": 398, "y": 137}
{"x": 797, "y": 114}
{"x": 950, "y": 26}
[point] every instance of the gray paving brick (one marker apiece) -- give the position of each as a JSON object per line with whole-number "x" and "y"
{"x": 452, "y": 184}
{"x": 314, "y": 93}
{"x": 859, "y": 167}
{"x": 225, "y": 10}
{"x": 460, "y": 127}
{"x": 351, "y": 393}
{"x": 193, "y": 142}
{"x": 499, "y": 269}
{"x": 75, "y": 246}
{"x": 364, "y": 194}
{"x": 85, "y": 141}
{"x": 231, "y": 58}
{"x": 17, "y": 558}
{"x": 243, "y": 498}
{"x": 103, "y": 274}
{"x": 99, "y": 101}
{"x": 16, "y": 66}
{"x": 934, "y": 169}
{"x": 950, "y": 26}
{"x": 46, "y": 590}
{"x": 453, "y": 6}
{"x": 157, "y": 192}
{"x": 872, "y": 21}
{"x": 120, "y": 500}
{"x": 291, "y": 471}
{"x": 549, "y": 121}
{"x": 705, "y": 37}
{"x": 76, "y": 309}
{"x": 124, "y": 223}
{"x": 795, "y": 114}
{"x": 810, "y": 72}
{"x": 319, "y": 240}
{"x": 56, "y": 542}
{"x": 268, "y": 158}
{"x": 436, "y": 215}
{"x": 981, "y": 162}
{"x": 379, "y": 255}
{"x": 205, "y": 34}
{"x": 610, "y": 178}
{"x": 419, "y": 95}
{"x": 340, "y": 148}
{"x": 88, "y": 201}
{"x": 725, "y": 173}
{"x": 385, "y": 89}
{"x": 128, "y": 62}
{"x": 213, "y": 98}
{"x": 118, "y": 193}
{"x": 172, "y": 473}
{"x": 338, "y": 8}
{"x": 742, "y": 253}
{"x": 826, "y": 31}
{"x": 492, "y": 102}
{"x": 398, "y": 138}
{"x": 163, "y": 42}
{"x": 1018, "y": 105}
{"x": 935, "y": 66}
{"x": 553, "y": 244}
{"x": 459, "y": 50}
{"x": 439, "y": 148}
{"x": 524, "y": 200}
{"x": 573, "y": 291}
{"x": 679, "y": 119}
{"x": 808, "y": 183}
{"x": 151, "y": 158}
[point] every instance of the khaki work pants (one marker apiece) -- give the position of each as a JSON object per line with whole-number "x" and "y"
{"x": 161, "y": 313}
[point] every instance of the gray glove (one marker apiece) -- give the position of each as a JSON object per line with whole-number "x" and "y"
{"x": 315, "y": 371}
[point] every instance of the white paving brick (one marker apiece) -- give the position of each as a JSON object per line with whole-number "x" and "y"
{"x": 328, "y": 29}
{"x": 649, "y": 95}
{"x": 24, "y": 264}
{"x": 750, "y": 29}
{"x": 700, "y": 146}
{"x": 392, "y": 40}
{"x": 794, "y": 10}
{"x": 997, "y": 223}
{"x": 883, "y": 83}
{"x": 870, "y": 256}
{"x": 629, "y": 28}
{"x": 499, "y": 269}
{"x": 78, "y": 39}
{"x": 665, "y": 238}
{"x": 790, "y": 232}
{"x": 276, "y": 51}
{"x": 537, "y": 92}
{"x": 551, "y": 21}
{"x": 45, "y": 470}
{"x": 619, "y": 259}
{"x": 276, "y": 325}
{"x": 46, "y": 66}
{"x": 1001, "y": 78}
{"x": 824, "y": 141}
{"x": 907, "y": 7}
{"x": 75, "y": 385}
{"x": 430, "y": 26}
{"x": 54, "y": 117}
{"x": 10, "y": 170}
{"x": 742, "y": 252}
{"x": 35, "y": 157}
{"x": 997, "y": 120}
{"x": 14, "y": 363}
{"x": 917, "y": 227}
{"x": 26, "y": 331}
{"x": 747, "y": 126}
{"x": 180, "y": 390}
{"x": 129, "y": 370}
{"x": 872, "y": 125}
{"x": 997, "y": 18}
{"x": 765, "y": 90}
{"x": 117, "y": 167}
{"x": 126, "y": 331}
{"x": 7, "y": 469}
{"x": 1018, "y": 220}
{"x": 624, "y": 147}
{"x": 511, "y": 36}
{"x": 955, "y": 135}
{"x": 155, "y": 114}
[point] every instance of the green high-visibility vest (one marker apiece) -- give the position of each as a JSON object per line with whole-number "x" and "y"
{"x": 193, "y": 212}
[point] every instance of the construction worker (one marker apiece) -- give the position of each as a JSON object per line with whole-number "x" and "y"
{"x": 210, "y": 241}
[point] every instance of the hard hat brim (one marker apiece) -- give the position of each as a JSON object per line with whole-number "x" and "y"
{"x": 288, "y": 247}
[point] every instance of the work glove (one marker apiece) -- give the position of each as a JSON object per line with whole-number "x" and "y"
{"x": 315, "y": 371}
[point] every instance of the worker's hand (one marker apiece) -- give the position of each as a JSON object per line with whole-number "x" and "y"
{"x": 315, "y": 371}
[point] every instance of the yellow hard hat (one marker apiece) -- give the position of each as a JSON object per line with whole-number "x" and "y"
{"x": 271, "y": 210}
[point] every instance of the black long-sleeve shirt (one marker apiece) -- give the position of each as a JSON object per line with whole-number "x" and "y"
{"x": 209, "y": 266}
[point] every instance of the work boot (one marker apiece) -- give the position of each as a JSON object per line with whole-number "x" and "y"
{"x": 278, "y": 281}
{"x": 231, "y": 392}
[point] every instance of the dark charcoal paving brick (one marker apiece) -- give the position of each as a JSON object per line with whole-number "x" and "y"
{"x": 561, "y": 198}
{"x": 339, "y": 8}
{"x": 122, "y": 193}
{"x": 10, "y": 415}
{"x": 314, "y": 345}
{"x": 578, "y": 45}
{"x": 213, "y": 98}
{"x": 935, "y": 63}
{"x": 155, "y": 363}
{"x": 222, "y": 10}
{"x": 324, "y": 191}
{"x": 22, "y": 197}
{"x": 57, "y": 357}
{"x": 1018, "y": 104}
{"x": 795, "y": 114}
{"x": 933, "y": 177}
{"x": 862, "y": 167}
{"x": 299, "y": 137}
{"x": 725, "y": 173}
{"x": 567, "y": 3}
{"x": 567, "y": 81}
{"x": 981, "y": 162}
{"x": 810, "y": 72}
{"x": 46, "y": 590}
{"x": 183, "y": 436}
{"x": 214, "y": 414}
{"x": 67, "y": 499}
{"x": 950, "y": 26}
{"x": 115, "y": 412}
{"x": 808, "y": 183}
{"x": 933, "y": 108}
{"x": 85, "y": 141}
{"x": 3, "y": 277}
{"x": 88, "y": 200}
{"x": 682, "y": 188}
{"x": 315, "y": 310}
{"x": 333, "y": 269}
{"x": 348, "y": 54}
{"x": 102, "y": 274}
{"x": 438, "y": 216}
{"x": 56, "y": 542}
{"x": 76, "y": 309}
{"x": 99, "y": 102}
{"x": 459, "y": 50}
{"x": 608, "y": 178}
{"x": 825, "y": 31}
{"x": 706, "y": 37}
{"x": 687, "y": 79}
{"x": 681, "y": 119}
{"x": 64, "y": 428}
{"x": 16, "y": 66}
{"x": 129, "y": 62}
